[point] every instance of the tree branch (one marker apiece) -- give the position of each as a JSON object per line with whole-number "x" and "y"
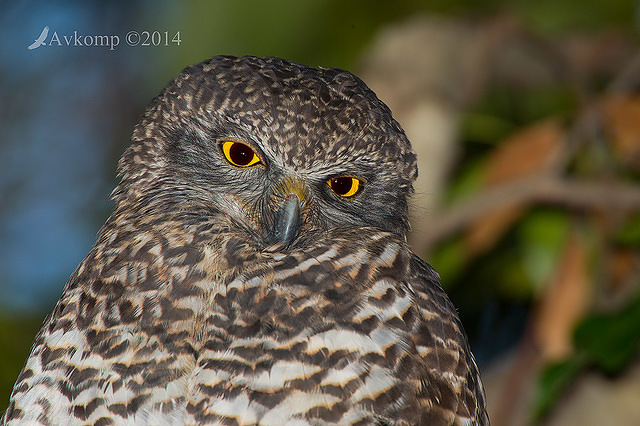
{"x": 540, "y": 189}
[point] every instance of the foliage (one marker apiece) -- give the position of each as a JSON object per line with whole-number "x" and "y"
{"x": 16, "y": 335}
{"x": 605, "y": 341}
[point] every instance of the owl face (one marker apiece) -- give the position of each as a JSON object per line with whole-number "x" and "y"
{"x": 276, "y": 147}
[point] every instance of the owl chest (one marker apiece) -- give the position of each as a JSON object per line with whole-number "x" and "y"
{"x": 281, "y": 308}
{"x": 276, "y": 352}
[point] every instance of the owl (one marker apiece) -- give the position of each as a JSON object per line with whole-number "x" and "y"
{"x": 255, "y": 270}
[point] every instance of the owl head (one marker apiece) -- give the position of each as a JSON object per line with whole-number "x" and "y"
{"x": 273, "y": 147}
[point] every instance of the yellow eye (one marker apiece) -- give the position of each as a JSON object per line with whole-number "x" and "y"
{"x": 239, "y": 154}
{"x": 345, "y": 186}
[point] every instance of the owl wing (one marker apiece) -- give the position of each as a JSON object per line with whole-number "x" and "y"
{"x": 450, "y": 390}
{"x": 415, "y": 364}
{"x": 114, "y": 346}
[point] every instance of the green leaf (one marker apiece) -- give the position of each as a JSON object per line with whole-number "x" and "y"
{"x": 485, "y": 128}
{"x": 611, "y": 340}
{"x": 553, "y": 380}
{"x": 16, "y": 335}
{"x": 449, "y": 259}
{"x": 467, "y": 183}
{"x": 543, "y": 233}
{"x": 629, "y": 235}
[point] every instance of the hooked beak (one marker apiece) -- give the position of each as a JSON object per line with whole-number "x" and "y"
{"x": 288, "y": 221}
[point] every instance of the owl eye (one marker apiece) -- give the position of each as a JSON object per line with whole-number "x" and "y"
{"x": 239, "y": 154}
{"x": 345, "y": 186}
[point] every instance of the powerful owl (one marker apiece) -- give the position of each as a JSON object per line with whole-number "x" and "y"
{"x": 255, "y": 270}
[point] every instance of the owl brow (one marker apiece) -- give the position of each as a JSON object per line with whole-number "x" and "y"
{"x": 217, "y": 133}
{"x": 324, "y": 172}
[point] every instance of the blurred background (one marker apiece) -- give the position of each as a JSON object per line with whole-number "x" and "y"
{"x": 525, "y": 117}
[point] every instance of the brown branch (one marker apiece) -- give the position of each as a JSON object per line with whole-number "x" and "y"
{"x": 539, "y": 189}
{"x": 628, "y": 78}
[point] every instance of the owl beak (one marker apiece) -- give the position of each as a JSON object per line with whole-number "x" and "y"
{"x": 288, "y": 220}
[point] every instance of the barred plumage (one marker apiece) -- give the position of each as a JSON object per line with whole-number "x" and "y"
{"x": 191, "y": 310}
